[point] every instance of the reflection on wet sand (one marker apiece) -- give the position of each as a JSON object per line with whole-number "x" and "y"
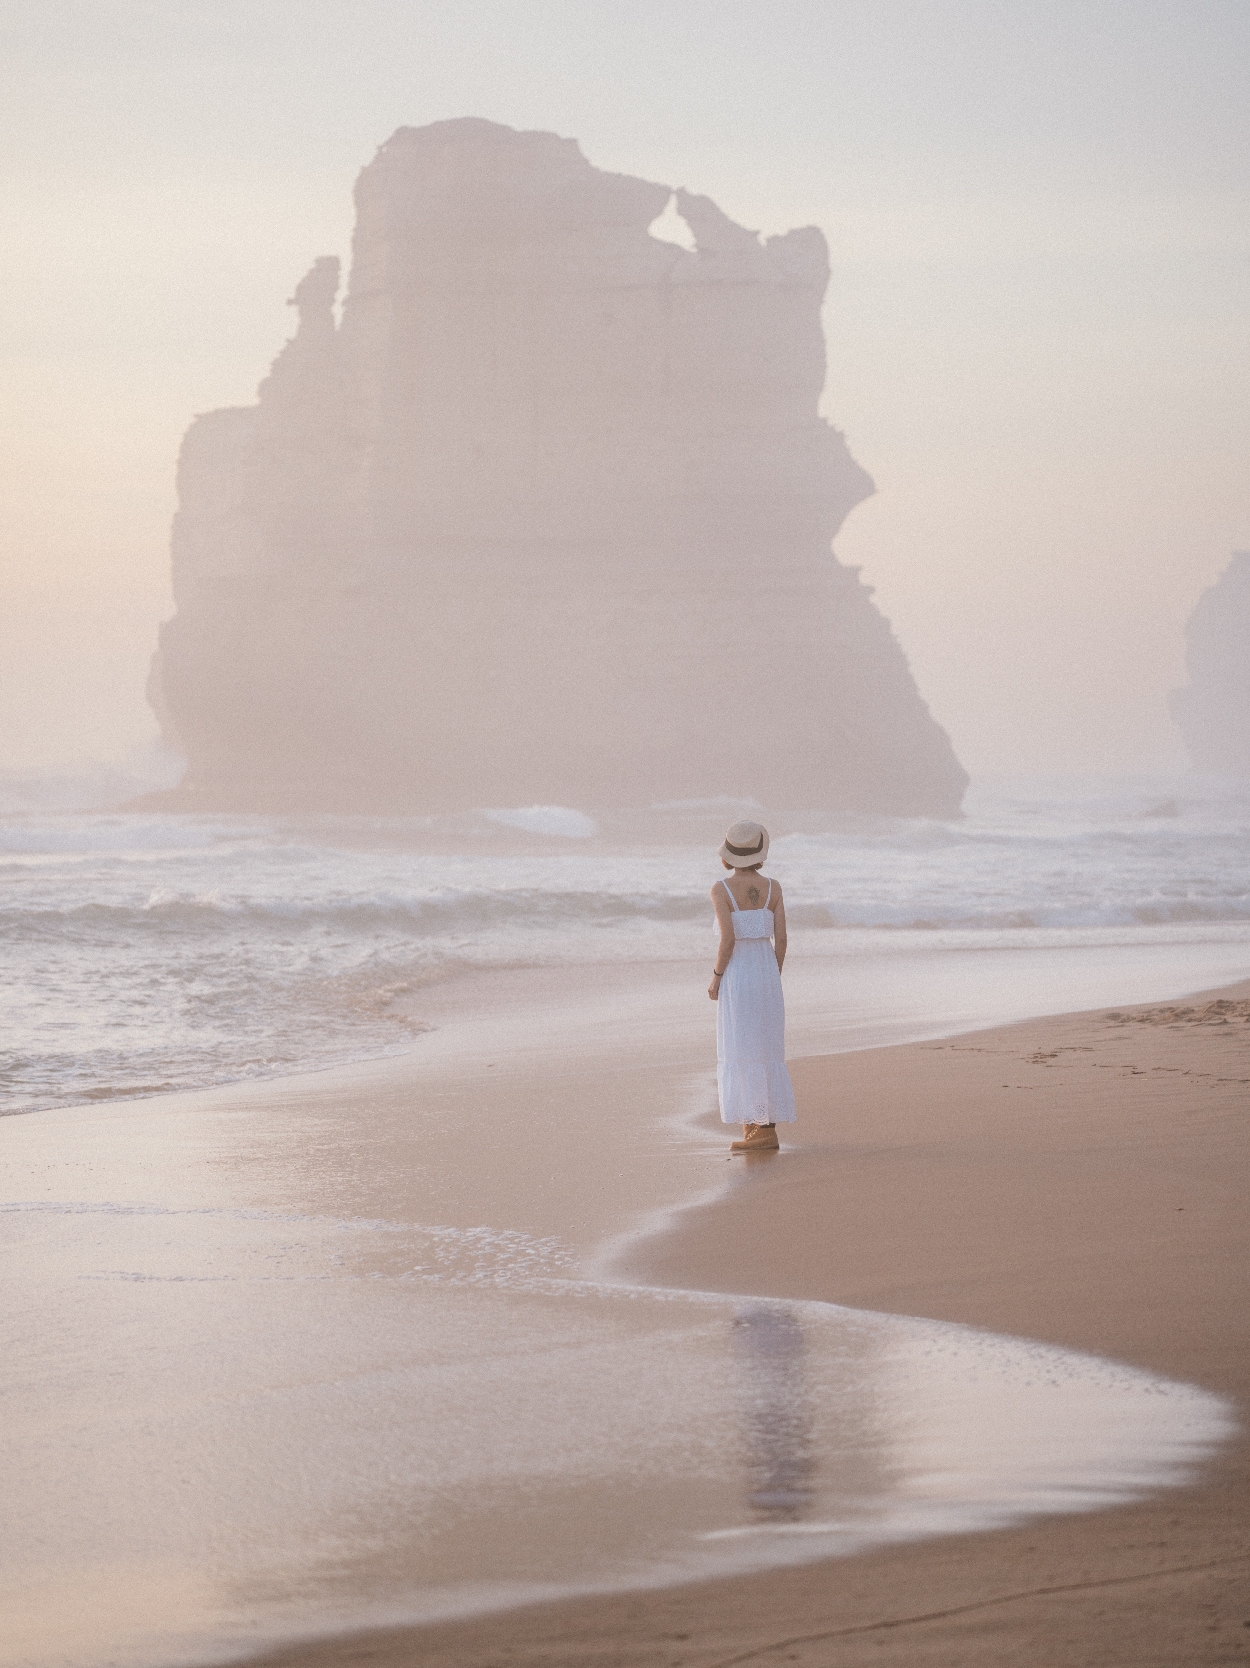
{"x": 339, "y": 1318}
{"x": 768, "y": 1350}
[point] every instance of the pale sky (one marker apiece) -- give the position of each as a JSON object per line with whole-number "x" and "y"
{"x": 1038, "y": 322}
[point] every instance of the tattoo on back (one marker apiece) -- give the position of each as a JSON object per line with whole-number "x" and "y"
{"x": 753, "y": 892}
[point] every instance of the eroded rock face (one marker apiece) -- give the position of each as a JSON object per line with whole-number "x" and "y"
{"x": 1213, "y": 711}
{"x": 545, "y": 519}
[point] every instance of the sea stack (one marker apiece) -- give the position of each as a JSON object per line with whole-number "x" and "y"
{"x": 1213, "y": 710}
{"x": 545, "y": 518}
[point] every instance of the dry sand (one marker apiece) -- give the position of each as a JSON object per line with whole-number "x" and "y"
{"x": 1080, "y": 1180}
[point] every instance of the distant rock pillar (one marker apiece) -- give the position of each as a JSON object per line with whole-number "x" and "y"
{"x": 491, "y": 539}
{"x": 1213, "y": 711}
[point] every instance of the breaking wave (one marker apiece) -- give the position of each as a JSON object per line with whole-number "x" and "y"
{"x": 456, "y": 915}
{"x": 149, "y": 952}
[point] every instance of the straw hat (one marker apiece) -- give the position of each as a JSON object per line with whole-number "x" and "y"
{"x": 746, "y": 844}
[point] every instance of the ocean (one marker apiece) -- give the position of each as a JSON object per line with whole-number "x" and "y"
{"x": 148, "y": 952}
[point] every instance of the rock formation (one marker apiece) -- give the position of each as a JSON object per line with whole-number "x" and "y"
{"x": 1213, "y": 711}
{"x": 545, "y": 519}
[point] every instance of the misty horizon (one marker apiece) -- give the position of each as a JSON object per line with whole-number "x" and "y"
{"x": 1033, "y": 320}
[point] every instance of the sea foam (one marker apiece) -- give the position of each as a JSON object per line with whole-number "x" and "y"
{"x": 147, "y": 952}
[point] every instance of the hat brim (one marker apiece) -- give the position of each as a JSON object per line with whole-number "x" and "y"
{"x": 747, "y": 862}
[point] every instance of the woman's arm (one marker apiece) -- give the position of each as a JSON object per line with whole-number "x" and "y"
{"x": 779, "y": 926}
{"x": 725, "y": 949}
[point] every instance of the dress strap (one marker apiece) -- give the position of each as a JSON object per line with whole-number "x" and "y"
{"x": 733, "y": 902}
{"x": 768, "y": 899}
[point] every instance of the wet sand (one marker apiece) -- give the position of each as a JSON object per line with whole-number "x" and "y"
{"x": 1079, "y": 1180}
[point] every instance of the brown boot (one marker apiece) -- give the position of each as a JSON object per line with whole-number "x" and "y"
{"x": 756, "y": 1138}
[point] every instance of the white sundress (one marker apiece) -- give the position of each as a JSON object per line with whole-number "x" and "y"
{"x": 751, "y": 1073}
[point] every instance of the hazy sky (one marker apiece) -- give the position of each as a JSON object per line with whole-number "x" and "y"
{"x": 1038, "y": 323}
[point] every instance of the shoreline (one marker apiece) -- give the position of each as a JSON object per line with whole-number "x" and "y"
{"x": 1060, "y": 1139}
{"x": 858, "y": 989}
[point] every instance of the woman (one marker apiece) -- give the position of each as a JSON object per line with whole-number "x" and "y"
{"x": 751, "y": 1075}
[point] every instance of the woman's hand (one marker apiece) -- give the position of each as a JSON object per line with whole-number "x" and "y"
{"x": 713, "y": 989}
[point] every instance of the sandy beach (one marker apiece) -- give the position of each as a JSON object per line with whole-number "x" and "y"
{"x": 1077, "y": 1179}
{"x": 487, "y": 1352}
